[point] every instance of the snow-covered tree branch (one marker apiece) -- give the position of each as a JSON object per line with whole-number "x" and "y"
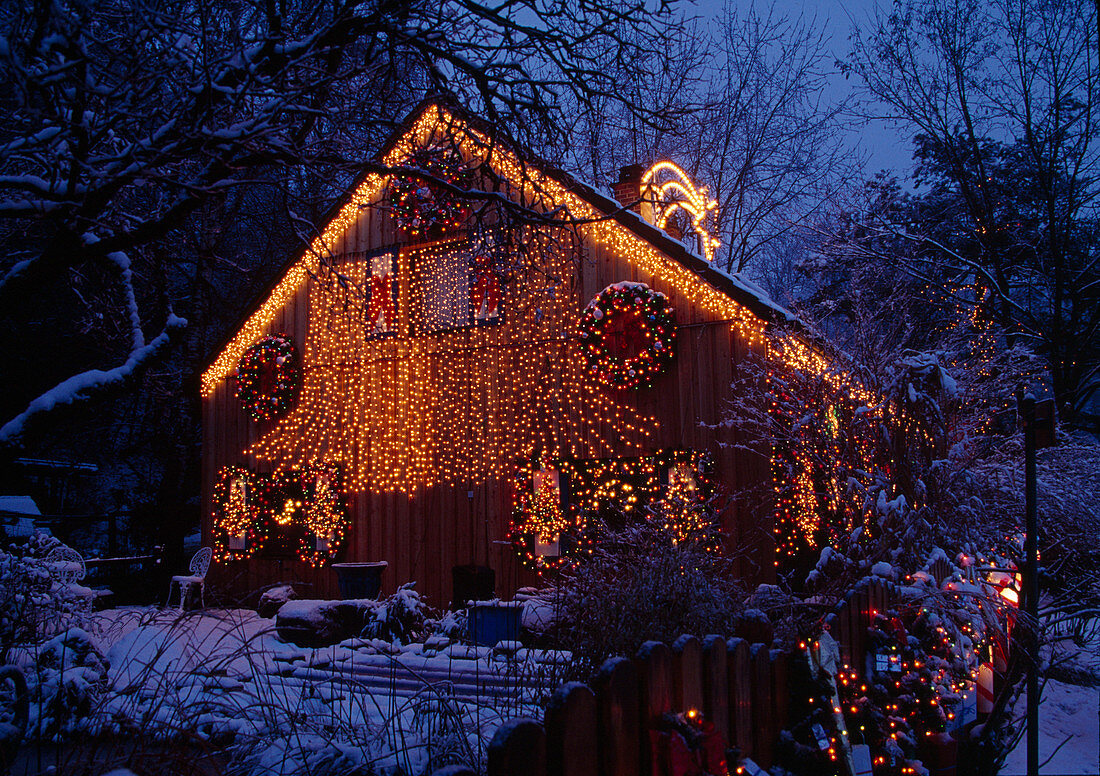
{"x": 126, "y": 124}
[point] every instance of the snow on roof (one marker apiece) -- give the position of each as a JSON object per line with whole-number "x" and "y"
{"x": 19, "y": 505}
{"x": 743, "y": 289}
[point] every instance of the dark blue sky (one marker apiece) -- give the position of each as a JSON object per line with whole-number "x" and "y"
{"x": 885, "y": 147}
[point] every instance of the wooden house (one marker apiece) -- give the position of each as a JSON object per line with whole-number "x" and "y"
{"x": 441, "y": 366}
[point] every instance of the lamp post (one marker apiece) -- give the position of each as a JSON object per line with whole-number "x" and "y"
{"x": 1026, "y": 404}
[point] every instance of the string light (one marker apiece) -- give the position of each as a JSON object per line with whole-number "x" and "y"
{"x": 249, "y": 508}
{"x": 538, "y": 187}
{"x": 672, "y": 488}
{"x": 677, "y": 192}
{"x": 235, "y": 516}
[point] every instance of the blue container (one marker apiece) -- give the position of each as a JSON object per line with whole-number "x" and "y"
{"x": 359, "y": 580}
{"x": 491, "y": 622}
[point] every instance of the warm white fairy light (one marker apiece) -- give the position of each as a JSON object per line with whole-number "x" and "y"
{"x": 413, "y": 411}
{"x": 402, "y": 413}
{"x": 540, "y": 187}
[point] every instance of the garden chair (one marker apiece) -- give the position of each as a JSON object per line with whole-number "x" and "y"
{"x": 200, "y": 564}
{"x": 66, "y": 567}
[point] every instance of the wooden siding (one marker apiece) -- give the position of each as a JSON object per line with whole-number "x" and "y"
{"x": 441, "y": 519}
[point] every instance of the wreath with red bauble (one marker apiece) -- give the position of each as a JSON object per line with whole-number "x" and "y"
{"x": 628, "y": 333}
{"x": 269, "y": 376}
{"x": 419, "y": 204}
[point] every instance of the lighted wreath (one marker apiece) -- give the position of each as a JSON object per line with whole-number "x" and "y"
{"x": 269, "y": 377}
{"x": 321, "y": 514}
{"x": 237, "y": 516}
{"x": 628, "y": 332}
{"x": 539, "y": 525}
{"x": 418, "y": 205}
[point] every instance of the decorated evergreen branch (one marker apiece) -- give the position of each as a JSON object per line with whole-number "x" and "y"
{"x": 419, "y": 204}
{"x": 628, "y": 333}
{"x": 269, "y": 378}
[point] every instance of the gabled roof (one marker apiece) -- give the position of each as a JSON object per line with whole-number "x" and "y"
{"x": 724, "y": 295}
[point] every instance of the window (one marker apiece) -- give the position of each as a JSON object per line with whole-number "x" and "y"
{"x": 457, "y": 285}
{"x": 380, "y": 306}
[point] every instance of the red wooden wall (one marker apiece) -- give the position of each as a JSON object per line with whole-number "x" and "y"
{"x": 426, "y": 528}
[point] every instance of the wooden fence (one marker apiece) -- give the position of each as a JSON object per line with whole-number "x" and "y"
{"x": 602, "y": 729}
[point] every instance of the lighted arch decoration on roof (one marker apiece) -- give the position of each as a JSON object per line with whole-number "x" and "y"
{"x": 432, "y": 122}
{"x": 670, "y": 189}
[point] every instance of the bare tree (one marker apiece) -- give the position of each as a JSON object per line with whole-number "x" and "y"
{"x": 122, "y": 120}
{"x": 1002, "y": 100}
{"x": 746, "y": 113}
{"x": 768, "y": 141}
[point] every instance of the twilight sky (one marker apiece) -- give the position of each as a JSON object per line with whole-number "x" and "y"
{"x": 885, "y": 147}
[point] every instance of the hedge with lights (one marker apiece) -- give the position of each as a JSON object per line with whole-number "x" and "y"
{"x": 418, "y": 204}
{"x": 269, "y": 377}
{"x": 644, "y": 324}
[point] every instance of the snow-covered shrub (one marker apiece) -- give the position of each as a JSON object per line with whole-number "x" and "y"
{"x": 400, "y": 618}
{"x": 638, "y": 586}
{"x": 31, "y": 605}
{"x": 68, "y": 680}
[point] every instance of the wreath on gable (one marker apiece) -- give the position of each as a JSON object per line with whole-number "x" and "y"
{"x": 418, "y": 205}
{"x": 628, "y": 332}
{"x": 269, "y": 377}
{"x": 237, "y": 524}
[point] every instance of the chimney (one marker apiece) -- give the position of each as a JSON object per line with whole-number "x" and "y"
{"x": 628, "y": 190}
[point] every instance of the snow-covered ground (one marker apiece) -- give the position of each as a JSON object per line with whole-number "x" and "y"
{"x": 1069, "y": 732}
{"x": 1069, "y": 715}
{"x": 224, "y": 678}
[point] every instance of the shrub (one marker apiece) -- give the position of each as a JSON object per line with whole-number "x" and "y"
{"x": 638, "y": 586}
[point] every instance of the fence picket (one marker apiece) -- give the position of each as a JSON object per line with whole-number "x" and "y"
{"x": 780, "y": 691}
{"x": 842, "y": 631}
{"x": 687, "y": 674}
{"x": 571, "y": 732}
{"x": 617, "y": 706}
{"x": 518, "y": 748}
{"x": 941, "y": 569}
{"x": 760, "y": 682}
{"x": 716, "y": 685}
{"x": 740, "y": 696}
{"x": 879, "y": 601}
{"x": 861, "y": 619}
{"x": 744, "y": 690}
{"x": 654, "y": 663}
